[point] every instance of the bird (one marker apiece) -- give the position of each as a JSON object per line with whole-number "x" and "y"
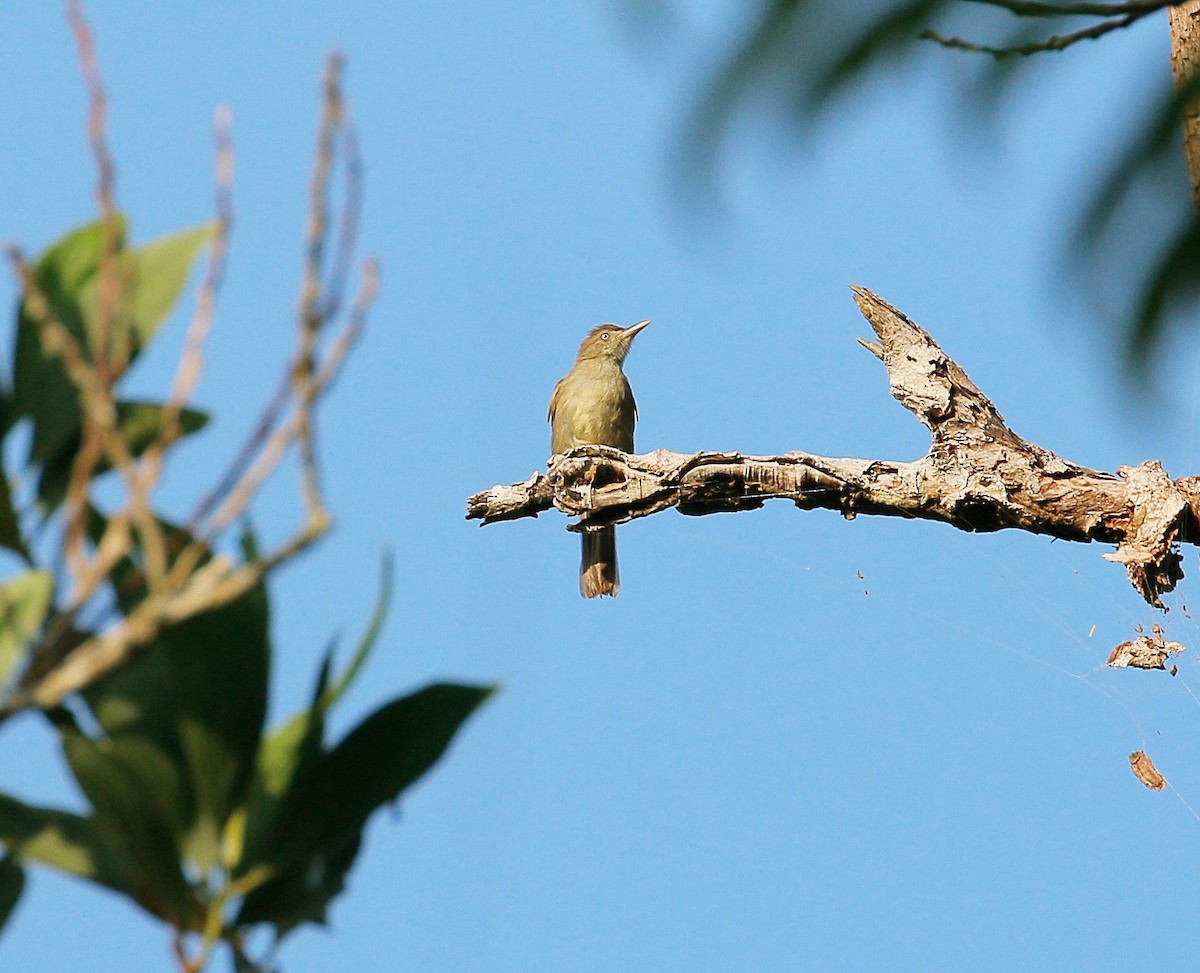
{"x": 593, "y": 405}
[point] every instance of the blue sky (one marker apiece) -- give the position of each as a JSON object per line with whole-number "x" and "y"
{"x": 754, "y": 758}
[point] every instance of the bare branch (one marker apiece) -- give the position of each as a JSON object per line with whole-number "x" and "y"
{"x": 198, "y": 580}
{"x": 105, "y": 197}
{"x": 1032, "y": 8}
{"x": 100, "y": 419}
{"x": 191, "y": 361}
{"x": 312, "y": 311}
{"x": 978, "y": 475}
{"x": 1057, "y": 42}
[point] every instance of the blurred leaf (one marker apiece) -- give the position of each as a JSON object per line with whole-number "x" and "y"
{"x": 370, "y": 636}
{"x": 222, "y": 667}
{"x": 1170, "y": 277}
{"x": 24, "y": 602}
{"x": 141, "y": 809}
{"x": 12, "y": 884}
{"x": 149, "y": 280}
{"x": 320, "y": 826}
{"x": 1157, "y": 135}
{"x": 139, "y": 423}
{"x": 1176, "y": 278}
{"x": 888, "y": 35}
{"x": 61, "y": 840}
{"x": 126, "y": 575}
{"x": 743, "y": 69}
{"x": 10, "y": 530}
{"x": 812, "y": 49}
{"x": 41, "y": 389}
{"x": 199, "y": 695}
{"x": 387, "y": 752}
{"x": 296, "y": 895}
{"x": 163, "y": 266}
{"x": 244, "y": 964}
{"x": 152, "y": 279}
{"x": 290, "y": 751}
{"x": 994, "y": 78}
{"x": 286, "y": 754}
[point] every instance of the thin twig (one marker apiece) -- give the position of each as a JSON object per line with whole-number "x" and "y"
{"x": 367, "y": 292}
{"x": 1032, "y": 8}
{"x": 191, "y": 361}
{"x": 348, "y": 230}
{"x": 312, "y": 319}
{"x": 245, "y": 456}
{"x": 99, "y": 410}
{"x": 105, "y": 196}
{"x": 84, "y": 463}
{"x": 1057, "y": 42}
{"x": 198, "y": 579}
{"x": 276, "y": 445}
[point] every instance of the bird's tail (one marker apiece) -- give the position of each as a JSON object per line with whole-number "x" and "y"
{"x": 598, "y": 573}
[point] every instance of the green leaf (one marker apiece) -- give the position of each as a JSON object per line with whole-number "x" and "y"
{"x": 139, "y": 424}
{"x": 61, "y": 840}
{"x": 141, "y": 809}
{"x": 161, "y": 269}
{"x": 10, "y": 530}
{"x": 222, "y": 667}
{"x": 12, "y": 884}
{"x": 148, "y": 282}
{"x": 320, "y": 826}
{"x": 297, "y": 895}
{"x": 288, "y": 753}
{"x": 126, "y": 576}
{"x": 387, "y": 752}
{"x": 41, "y": 389}
{"x": 892, "y": 33}
{"x": 24, "y": 602}
{"x": 244, "y": 964}
{"x": 69, "y": 262}
{"x": 199, "y": 695}
{"x": 370, "y": 636}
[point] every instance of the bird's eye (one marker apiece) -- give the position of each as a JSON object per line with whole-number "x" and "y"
{"x": 604, "y": 335}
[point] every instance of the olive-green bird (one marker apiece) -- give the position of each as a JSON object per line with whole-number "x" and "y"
{"x": 593, "y": 406}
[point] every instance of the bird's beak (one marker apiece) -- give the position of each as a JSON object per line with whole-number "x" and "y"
{"x": 633, "y": 330}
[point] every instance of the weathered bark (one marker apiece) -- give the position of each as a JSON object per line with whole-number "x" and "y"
{"x": 977, "y": 476}
{"x": 1184, "y": 20}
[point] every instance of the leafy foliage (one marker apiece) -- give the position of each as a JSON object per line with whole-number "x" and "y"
{"x": 798, "y": 55}
{"x": 196, "y": 812}
{"x": 148, "y": 281}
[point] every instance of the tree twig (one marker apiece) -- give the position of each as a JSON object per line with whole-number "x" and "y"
{"x": 1057, "y": 42}
{"x": 1032, "y": 8}
{"x": 198, "y": 579}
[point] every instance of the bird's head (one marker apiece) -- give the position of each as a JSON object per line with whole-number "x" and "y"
{"x": 609, "y": 341}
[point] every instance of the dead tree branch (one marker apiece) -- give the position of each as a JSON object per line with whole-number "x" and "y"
{"x": 978, "y": 475}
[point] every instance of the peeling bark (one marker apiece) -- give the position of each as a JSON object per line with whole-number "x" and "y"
{"x": 978, "y": 475}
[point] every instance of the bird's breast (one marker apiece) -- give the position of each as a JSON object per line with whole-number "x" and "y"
{"x": 593, "y": 405}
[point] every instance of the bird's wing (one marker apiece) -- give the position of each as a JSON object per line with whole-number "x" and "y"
{"x": 554, "y": 400}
